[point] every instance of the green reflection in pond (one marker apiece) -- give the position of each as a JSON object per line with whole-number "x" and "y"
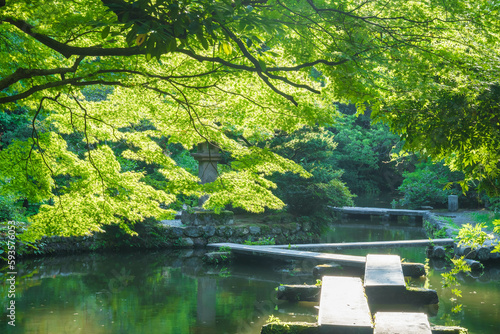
{"x": 480, "y": 295}
{"x": 163, "y": 292}
{"x": 365, "y": 231}
{"x": 174, "y": 292}
{"x": 480, "y": 299}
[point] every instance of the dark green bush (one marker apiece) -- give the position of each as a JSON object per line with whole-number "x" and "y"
{"x": 312, "y": 148}
{"x": 492, "y": 203}
{"x": 305, "y": 197}
{"x": 10, "y": 210}
{"x": 364, "y": 154}
{"x": 429, "y": 185}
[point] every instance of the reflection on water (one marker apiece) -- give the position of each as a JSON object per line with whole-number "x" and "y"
{"x": 175, "y": 292}
{"x": 480, "y": 294}
{"x": 364, "y": 232}
{"x": 480, "y": 300}
{"x": 161, "y": 292}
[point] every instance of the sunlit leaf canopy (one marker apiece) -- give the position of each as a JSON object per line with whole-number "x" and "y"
{"x": 226, "y": 72}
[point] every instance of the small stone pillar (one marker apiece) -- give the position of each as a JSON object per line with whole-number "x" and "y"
{"x": 207, "y": 156}
{"x": 453, "y": 203}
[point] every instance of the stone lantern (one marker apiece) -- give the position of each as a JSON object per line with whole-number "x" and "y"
{"x": 207, "y": 156}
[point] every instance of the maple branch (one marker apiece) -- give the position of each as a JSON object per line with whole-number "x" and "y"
{"x": 91, "y": 159}
{"x": 94, "y": 51}
{"x": 375, "y": 17}
{"x": 68, "y": 50}
{"x": 74, "y": 81}
{"x": 258, "y": 67}
{"x": 23, "y": 73}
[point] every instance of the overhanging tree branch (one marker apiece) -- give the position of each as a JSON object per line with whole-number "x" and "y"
{"x": 260, "y": 71}
{"x": 23, "y": 73}
{"x": 74, "y": 81}
{"x": 94, "y": 51}
{"x": 68, "y": 50}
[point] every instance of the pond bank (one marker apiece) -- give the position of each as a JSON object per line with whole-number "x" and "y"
{"x": 446, "y": 224}
{"x": 437, "y": 224}
{"x": 191, "y": 233}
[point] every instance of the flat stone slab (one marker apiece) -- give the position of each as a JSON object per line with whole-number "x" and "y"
{"x": 409, "y": 269}
{"x": 384, "y": 271}
{"x": 379, "y": 211}
{"x": 343, "y": 306}
{"x": 369, "y": 244}
{"x": 401, "y": 323}
{"x": 348, "y": 260}
{"x": 172, "y": 222}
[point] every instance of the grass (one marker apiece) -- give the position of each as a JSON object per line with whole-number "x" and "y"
{"x": 449, "y": 221}
{"x": 261, "y": 241}
{"x": 486, "y": 217}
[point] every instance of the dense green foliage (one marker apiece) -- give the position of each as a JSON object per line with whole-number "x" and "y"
{"x": 313, "y": 149}
{"x": 351, "y": 150}
{"x": 427, "y": 185}
{"x": 463, "y": 132}
{"x": 89, "y": 74}
{"x": 14, "y": 125}
{"x": 10, "y": 210}
{"x": 493, "y": 203}
{"x": 364, "y": 154}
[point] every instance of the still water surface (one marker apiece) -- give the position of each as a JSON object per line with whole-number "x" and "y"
{"x": 175, "y": 292}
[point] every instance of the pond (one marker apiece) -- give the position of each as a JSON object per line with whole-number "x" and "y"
{"x": 480, "y": 300}
{"x": 176, "y": 292}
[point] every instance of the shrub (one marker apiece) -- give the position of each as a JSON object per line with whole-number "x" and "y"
{"x": 305, "y": 197}
{"x": 364, "y": 153}
{"x": 313, "y": 149}
{"x": 427, "y": 185}
{"x": 10, "y": 210}
{"x": 492, "y": 203}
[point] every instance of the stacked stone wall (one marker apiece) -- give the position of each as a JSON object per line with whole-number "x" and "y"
{"x": 164, "y": 236}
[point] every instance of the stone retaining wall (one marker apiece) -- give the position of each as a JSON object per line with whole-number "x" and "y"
{"x": 199, "y": 236}
{"x": 157, "y": 235}
{"x": 433, "y": 225}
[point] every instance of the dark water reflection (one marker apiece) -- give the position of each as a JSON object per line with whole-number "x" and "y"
{"x": 175, "y": 292}
{"x": 480, "y": 292}
{"x": 160, "y": 292}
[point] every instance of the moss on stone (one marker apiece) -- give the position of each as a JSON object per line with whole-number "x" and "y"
{"x": 449, "y": 330}
{"x": 290, "y": 328}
